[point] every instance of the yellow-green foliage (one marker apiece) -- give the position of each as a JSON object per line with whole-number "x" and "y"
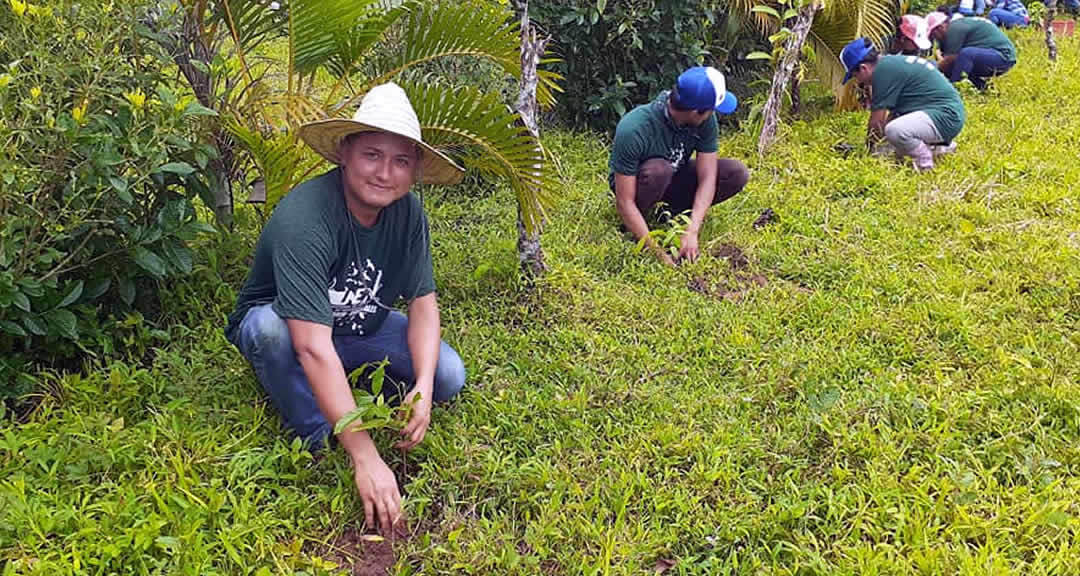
{"x": 900, "y": 397}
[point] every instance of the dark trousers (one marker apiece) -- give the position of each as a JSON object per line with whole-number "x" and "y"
{"x": 978, "y": 64}
{"x": 657, "y": 182}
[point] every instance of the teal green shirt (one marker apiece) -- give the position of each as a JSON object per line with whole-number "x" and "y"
{"x": 905, "y": 84}
{"x": 315, "y": 262}
{"x": 977, "y": 33}
{"x": 647, "y": 132}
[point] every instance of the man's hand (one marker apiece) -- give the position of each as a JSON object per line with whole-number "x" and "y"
{"x": 688, "y": 247}
{"x": 378, "y": 489}
{"x": 414, "y": 431}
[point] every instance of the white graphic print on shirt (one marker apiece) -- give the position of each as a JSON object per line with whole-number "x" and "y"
{"x": 357, "y": 298}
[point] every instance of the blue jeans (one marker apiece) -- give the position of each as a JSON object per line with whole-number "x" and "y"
{"x": 978, "y": 64}
{"x": 263, "y": 338}
{"x": 1007, "y": 19}
{"x": 980, "y": 7}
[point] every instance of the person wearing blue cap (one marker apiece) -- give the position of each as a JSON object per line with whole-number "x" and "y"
{"x": 912, "y": 106}
{"x": 651, "y": 159}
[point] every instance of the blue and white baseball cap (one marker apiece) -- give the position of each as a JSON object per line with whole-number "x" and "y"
{"x": 703, "y": 87}
{"x": 853, "y": 54}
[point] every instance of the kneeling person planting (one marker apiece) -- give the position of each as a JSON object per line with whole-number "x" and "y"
{"x": 650, "y": 158}
{"x": 972, "y": 47}
{"x": 912, "y": 105}
{"x": 338, "y": 251}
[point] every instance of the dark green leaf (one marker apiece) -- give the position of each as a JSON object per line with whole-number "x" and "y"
{"x": 12, "y": 328}
{"x": 178, "y": 255}
{"x": 179, "y": 168}
{"x": 72, "y": 295}
{"x": 21, "y": 301}
{"x": 149, "y": 261}
{"x": 203, "y": 227}
{"x": 64, "y": 322}
{"x": 34, "y": 325}
{"x": 97, "y": 288}
{"x": 196, "y": 109}
{"x": 126, "y": 288}
{"x": 121, "y": 187}
{"x": 31, "y": 287}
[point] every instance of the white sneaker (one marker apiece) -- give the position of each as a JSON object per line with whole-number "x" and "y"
{"x": 941, "y": 150}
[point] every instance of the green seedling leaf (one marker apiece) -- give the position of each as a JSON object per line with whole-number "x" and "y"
{"x": 350, "y": 418}
{"x": 759, "y": 56}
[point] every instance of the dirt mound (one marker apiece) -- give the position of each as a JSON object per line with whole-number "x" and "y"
{"x": 767, "y": 217}
{"x": 360, "y": 554}
{"x": 736, "y": 258}
{"x": 738, "y": 263}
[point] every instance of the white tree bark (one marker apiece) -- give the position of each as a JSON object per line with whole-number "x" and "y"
{"x": 530, "y": 252}
{"x": 783, "y": 73}
{"x": 1051, "y": 13}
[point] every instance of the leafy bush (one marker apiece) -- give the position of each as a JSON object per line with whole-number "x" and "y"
{"x": 95, "y": 167}
{"x": 617, "y": 54}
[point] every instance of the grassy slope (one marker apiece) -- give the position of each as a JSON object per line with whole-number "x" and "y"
{"x": 900, "y": 398}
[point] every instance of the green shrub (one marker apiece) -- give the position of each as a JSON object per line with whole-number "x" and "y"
{"x": 618, "y": 54}
{"x": 95, "y": 167}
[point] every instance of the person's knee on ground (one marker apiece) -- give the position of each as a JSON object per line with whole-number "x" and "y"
{"x": 653, "y": 179}
{"x": 449, "y": 374}
{"x": 907, "y": 144}
{"x": 268, "y": 344}
{"x": 731, "y": 177}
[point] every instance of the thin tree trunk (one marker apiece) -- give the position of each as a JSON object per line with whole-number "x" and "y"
{"x": 1051, "y": 13}
{"x": 187, "y": 46}
{"x": 796, "y": 92}
{"x": 784, "y": 70}
{"x": 530, "y": 252}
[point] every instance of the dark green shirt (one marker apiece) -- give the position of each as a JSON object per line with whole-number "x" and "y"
{"x": 977, "y": 33}
{"x": 315, "y": 262}
{"x": 647, "y": 132}
{"x": 905, "y": 84}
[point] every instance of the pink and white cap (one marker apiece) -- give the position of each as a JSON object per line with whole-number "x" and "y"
{"x": 917, "y": 29}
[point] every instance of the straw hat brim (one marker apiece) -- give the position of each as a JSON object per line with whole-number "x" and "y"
{"x": 325, "y": 136}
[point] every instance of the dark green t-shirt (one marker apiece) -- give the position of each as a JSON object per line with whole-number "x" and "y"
{"x": 977, "y": 33}
{"x": 905, "y": 84}
{"x": 315, "y": 262}
{"x": 647, "y": 132}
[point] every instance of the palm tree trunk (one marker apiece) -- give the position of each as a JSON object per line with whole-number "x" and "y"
{"x": 784, "y": 71}
{"x": 530, "y": 252}
{"x": 1051, "y": 13}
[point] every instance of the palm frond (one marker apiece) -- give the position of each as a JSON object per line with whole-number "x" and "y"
{"x": 354, "y": 45}
{"x": 489, "y": 138}
{"x": 321, "y": 28}
{"x": 281, "y": 160}
{"x": 841, "y": 22}
{"x": 440, "y": 30}
{"x": 248, "y": 22}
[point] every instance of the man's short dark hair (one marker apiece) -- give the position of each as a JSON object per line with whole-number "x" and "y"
{"x": 674, "y": 99}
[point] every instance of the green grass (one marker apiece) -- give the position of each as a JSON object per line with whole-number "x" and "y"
{"x": 902, "y": 397}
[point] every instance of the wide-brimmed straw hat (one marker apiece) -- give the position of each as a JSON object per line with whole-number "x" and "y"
{"x": 385, "y": 108}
